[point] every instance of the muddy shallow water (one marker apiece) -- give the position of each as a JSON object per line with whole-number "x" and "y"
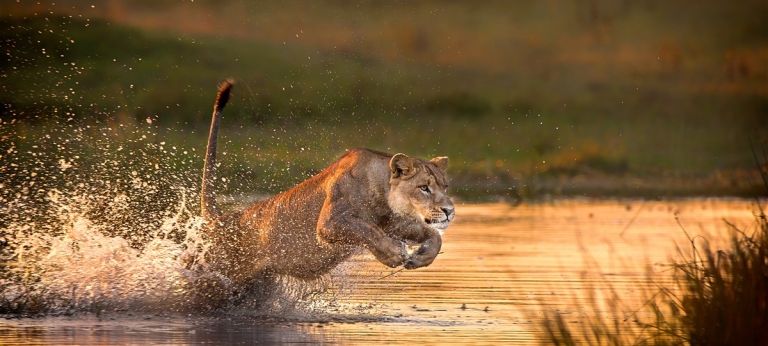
{"x": 500, "y": 266}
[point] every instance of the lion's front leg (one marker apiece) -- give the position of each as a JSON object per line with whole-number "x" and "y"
{"x": 390, "y": 252}
{"x": 338, "y": 223}
{"x": 427, "y": 251}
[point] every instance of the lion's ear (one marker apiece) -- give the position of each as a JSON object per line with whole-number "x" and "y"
{"x": 441, "y": 162}
{"x": 401, "y": 165}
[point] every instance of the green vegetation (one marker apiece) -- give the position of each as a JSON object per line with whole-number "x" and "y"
{"x": 591, "y": 98}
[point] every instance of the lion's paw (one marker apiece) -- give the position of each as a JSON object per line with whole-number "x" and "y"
{"x": 422, "y": 257}
{"x": 394, "y": 254}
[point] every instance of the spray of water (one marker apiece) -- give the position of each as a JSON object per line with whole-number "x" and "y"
{"x": 98, "y": 218}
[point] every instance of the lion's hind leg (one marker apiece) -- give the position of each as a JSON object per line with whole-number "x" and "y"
{"x": 256, "y": 293}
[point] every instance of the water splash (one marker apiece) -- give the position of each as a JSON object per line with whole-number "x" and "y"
{"x": 93, "y": 223}
{"x": 80, "y": 267}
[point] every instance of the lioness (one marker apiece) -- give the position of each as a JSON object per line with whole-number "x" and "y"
{"x": 366, "y": 198}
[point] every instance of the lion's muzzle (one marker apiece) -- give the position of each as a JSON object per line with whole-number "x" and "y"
{"x": 439, "y": 220}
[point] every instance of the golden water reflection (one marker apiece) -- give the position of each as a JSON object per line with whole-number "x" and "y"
{"x": 500, "y": 265}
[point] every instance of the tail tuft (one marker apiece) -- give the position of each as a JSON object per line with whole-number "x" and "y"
{"x": 222, "y": 96}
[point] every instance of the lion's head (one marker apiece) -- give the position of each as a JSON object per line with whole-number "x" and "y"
{"x": 418, "y": 190}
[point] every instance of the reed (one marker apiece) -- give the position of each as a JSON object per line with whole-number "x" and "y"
{"x": 716, "y": 297}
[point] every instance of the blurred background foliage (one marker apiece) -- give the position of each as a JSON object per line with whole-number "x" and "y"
{"x": 583, "y": 97}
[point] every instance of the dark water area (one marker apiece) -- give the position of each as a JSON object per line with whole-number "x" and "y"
{"x": 501, "y": 267}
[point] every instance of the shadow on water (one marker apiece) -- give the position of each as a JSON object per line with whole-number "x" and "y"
{"x": 166, "y": 330}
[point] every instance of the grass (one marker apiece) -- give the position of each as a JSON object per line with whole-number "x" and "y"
{"x": 529, "y": 105}
{"x": 726, "y": 299}
{"x": 717, "y": 297}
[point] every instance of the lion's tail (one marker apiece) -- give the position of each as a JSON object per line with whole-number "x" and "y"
{"x": 207, "y": 193}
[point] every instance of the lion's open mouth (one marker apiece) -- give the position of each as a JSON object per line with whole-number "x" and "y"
{"x": 438, "y": 224}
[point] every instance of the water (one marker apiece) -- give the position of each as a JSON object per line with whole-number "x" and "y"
{"x": 501, "y": 266}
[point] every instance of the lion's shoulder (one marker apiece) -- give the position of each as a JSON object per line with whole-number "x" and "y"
{"x": 364, "y": 162}
{"x": 370, "y": 152}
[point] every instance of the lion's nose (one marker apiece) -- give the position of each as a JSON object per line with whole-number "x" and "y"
{"x": 448, "y": 211}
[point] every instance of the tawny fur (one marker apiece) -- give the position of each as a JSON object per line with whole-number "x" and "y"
{"x": 366, "y": 199}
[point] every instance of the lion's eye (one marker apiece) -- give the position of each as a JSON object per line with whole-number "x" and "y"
{"x": 424, "y": 188}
